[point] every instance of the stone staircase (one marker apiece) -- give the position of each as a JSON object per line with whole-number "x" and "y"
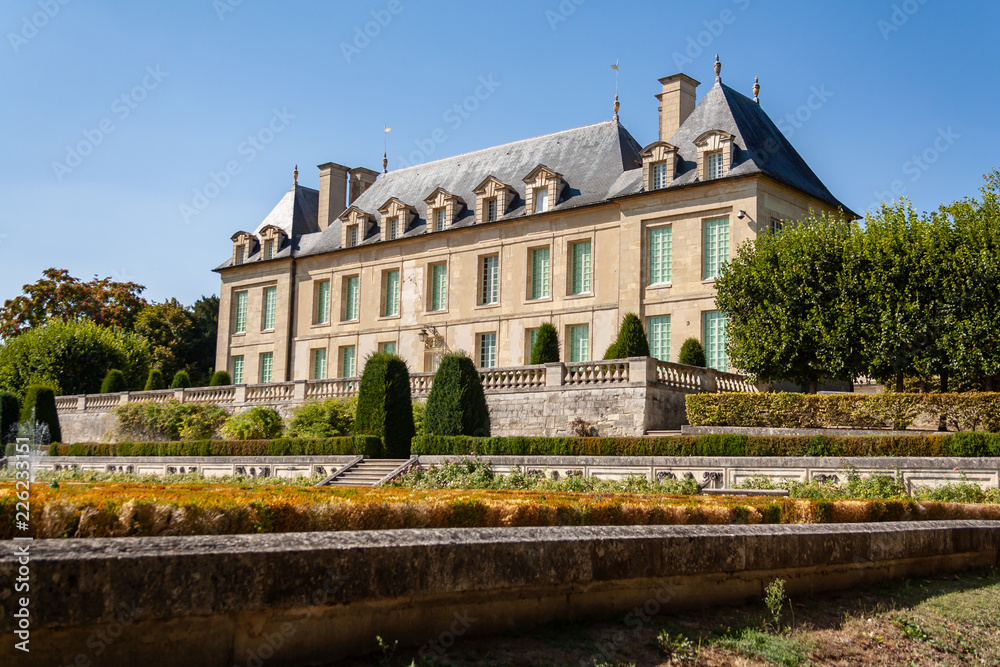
{"x": 367, "y": 472}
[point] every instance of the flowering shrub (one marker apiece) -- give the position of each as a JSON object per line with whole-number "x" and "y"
{"x": 257, "y": 423}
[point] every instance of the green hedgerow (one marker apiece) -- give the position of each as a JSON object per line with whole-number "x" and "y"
{"x": 546, "y": 347}
{"x": 456, "y": 404}
{"x": 155, "y": 380}
{"x": 257, "y": 423}
{"x": 220, "y": 379}
{"x": 39, "y": 407}
{"x": 385, "y": 407}
{"x": 323, "y": 419}
{"x": 692, "y": 353}
{"x": 114, "y": 382}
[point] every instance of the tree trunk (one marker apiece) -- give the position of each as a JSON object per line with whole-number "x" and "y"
{"x": 899, "y": 382}
{"x": 944, "y": 381}
{"x": 813, "y": 386}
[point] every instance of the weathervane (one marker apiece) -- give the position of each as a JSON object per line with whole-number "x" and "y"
{"x": 616, "y": 105}
{"x": 385, "y": 148}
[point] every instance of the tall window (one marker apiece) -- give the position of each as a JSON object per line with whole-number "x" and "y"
{"x": 266, "y": 366}
{"x": 714, "y": 326}
{"x": 348, "y": 361}
{"x": 439, "y": 286}
{"x": 439, "y": 215}
{"x": 659, "y": 337}
{"x": 714, "y": 169}
{"x": 387, "y": 347}
{"x": 352, "y": 296}
{"x": 579, "y": 343}
{"x": 660, "y": 255}
{"x": 541, "y": 200}
{"x": 487, "y": 350}
{"x": 269, "y": 249}
{"x": 491, "y": 210}
{"x": 391, "y": 296}
{"x": 490, "y": 285}
{"x": 238, "y": 369}
{"x": 776, "y": 226}
{"x": 532, "y": 337}
{"x": 241, "y": 313}
{"x": 716, "y": 246}
{"x": 659, "y": 175}
{"x": 352, "y": 236}
{"x": 270, "y": 304}
{"x": 393, "y": 228}
{"x": 241, "y": 254}
{"x": 323, "y": 302}
{"x": 581, "y": 268}
{"x": 540, "y": 273}
{"x": 319, "y": 363}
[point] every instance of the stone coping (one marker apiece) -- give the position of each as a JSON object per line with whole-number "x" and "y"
{"x": 889, "y": 462}
{"x": 768, "y": 430}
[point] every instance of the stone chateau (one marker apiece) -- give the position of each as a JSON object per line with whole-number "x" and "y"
{"x": 475, "y": 252}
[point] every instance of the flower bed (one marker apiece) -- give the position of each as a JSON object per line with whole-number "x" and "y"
{"x": 128, "y": 509}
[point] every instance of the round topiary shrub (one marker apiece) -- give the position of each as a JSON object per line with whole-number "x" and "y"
{"x": 220, "y": 379}
{"x": 114, "y": 382}
{"x": 546, "y": 347}
{"x": 39, "y": 407}
{"x": 181, "y": 380}
{"x": 632, "y": 341}
{"x": 456, "y": 404}
{"x": 10, "y": 414}
{"x": 692, "y": 353}
{"x": 385, "y": 407}
{"x": 155, "y": 380}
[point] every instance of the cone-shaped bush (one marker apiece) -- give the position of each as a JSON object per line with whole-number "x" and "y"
{"x": 155, "y": 380}
{"x": 114, "y": 382}
{"x": 632, "y": 341}
{"x": 43, "y": 400}
{"x": 181, "y": 380}
{"x": 385, "y": 408}
{"x": 692, "y": 353}
{"x": 220, "y": 379}
{"x": 457, "y": 404}
{"x": 10, "y": 414}
{"x": 611, "y": 352}
{"x": 546, "y": 347}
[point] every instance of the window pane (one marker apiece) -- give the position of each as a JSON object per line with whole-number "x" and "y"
{"x": 269, "y": 250}
{"x": 319, "y": 364}
{"x": 660, "y": 255}
{"x": 393, "y": 228}
{"x": 347, "y": 367}
{"x": 491, "y": 210}
{"x": 439, "y": 286}
{"x": 240, "y": 254}
{"x": 391, "y": 293}
{"x": 579, "y": 343}
{"x": 241, "y": 312}
{"x": 659, "y": 337}
{"x": 490, "y": 284}
{"x": 388, "y": 348}
{"x": 541, "y": 200}
{"x": 581, "y": 267}
{"x": 716, "y": 246}
{"x": 659, "y": 175}
{"x": 323, "y": 302}
{"x": 540, "y": 273}
{"x": 352, "y": 236}
{"x": 715, "y": 164}
{"x": 715, "y": 340}
{"x": 238, "y": 370}
{"x": 532, "y": 337}
{"x": 487, "y": 350}
{"x": 266, "y": 364}
{"x": 776, "y": 226}
{"x": 351, "y": 297}
{"x": 270, "y": 299}
{"x": 439, "y": 219}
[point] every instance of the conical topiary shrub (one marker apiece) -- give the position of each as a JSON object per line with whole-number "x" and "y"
{"x": 181, "y": 380}
{"x": 114, "y": 382}
{"x": 10, "y": 414}
{"x": 546, "y": 347}
{"x": 611, "y": 352}
{"x": 154, "y": 380}
{"x": 692, "y": 353}
{"x": 632, "y": 341}
{"x": 385, "y": 407}
{"x": 220, "y": 379}
{"x": 42, "y": 400}
{"x": 456, "y": 404}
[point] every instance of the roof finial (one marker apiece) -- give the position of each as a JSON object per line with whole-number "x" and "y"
{"x": 295, "y": 175}
{"x": 385, "y": 163}
{"x": 616, "y": 105}
{"x": 718, "y": 68}
{"x": 756, "y": 90}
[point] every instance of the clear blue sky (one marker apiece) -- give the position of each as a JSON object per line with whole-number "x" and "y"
{"x": 887, "y": 81}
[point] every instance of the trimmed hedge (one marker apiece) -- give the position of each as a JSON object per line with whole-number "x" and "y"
{"x": 385, "y": 407}
{"x": 456, "y": 404}
{"x": 40, "y": 402}
{"x": 10, "y": 414}
{"x": 969, "y": 412}
{"x": 956, "y": 444}
{"x": 356, "y": 445}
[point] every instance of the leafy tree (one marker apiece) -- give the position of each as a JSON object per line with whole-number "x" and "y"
{"x": 114, "y": 382}
{"x": 171, "y": 332}
{"x": 155, "y": 380}
{"x": 205, "y": 313}
{"x": 220, "y": 379}
{"x": 456, "y": 404}
{"x": 39, "y": 407}
{"x": 73, "y": 357}
{"x": 58, "y": 295}
{"x": 385, "y": 407}
{"x": 10, "y": 414}
{"x": 790, "y": 305}
{"x": 546, "y": 347}
{"x": 692, "y": 353}
{"x": 181, "y": 380}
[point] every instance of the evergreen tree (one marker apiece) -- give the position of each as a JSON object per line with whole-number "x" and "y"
{"x": 10, "y": 414}
{"x": 632, "y": 341}
{"x": 546, "y": 347}
{"x": 385, "y": 407}
{"x": 456, "y": 404}
{"x": 114, "y": 382}
{"x": 220, "y": 379}
{"x": 692, "y": 353}
{"x": 155, "y": 380}
{"x": 40, "y": 402}
{"x": 181, "y": 380}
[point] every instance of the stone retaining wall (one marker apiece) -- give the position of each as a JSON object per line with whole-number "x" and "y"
{"x": 311, "y": 598}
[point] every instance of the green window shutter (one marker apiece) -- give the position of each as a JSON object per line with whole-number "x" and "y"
{"x": 270, "y": 299}
{"x": 241, "y": 313}
{"x": 487, "y": 350}
{"x": 714, "y": 328}
{"x": 351, "y": 298}
{"x": 660, "y": 255}
{"x": 659, "y": 337}
{"x": 716, "y": 246}
{"x": 581, "y": 267}
{"x": 323, "y": 302}
{"x": 319, "y": 364}
{"x": 490, "y": 286}
{"x": 391, "y": 293}
{"x": 540, "y": 273}
{"x": 439, "y": 286}
{"x": 238, "y": 369}
{"x": 349, "y": 363}
{"x": 266, "y": 367}
{"x": 532, "y": 337}
{"x": 579, "y": 342}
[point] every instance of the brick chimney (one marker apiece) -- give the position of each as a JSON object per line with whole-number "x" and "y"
{"x": 676, "y": 103}
{"x": 361, "y": 180}
{"x": 332, "y": 193}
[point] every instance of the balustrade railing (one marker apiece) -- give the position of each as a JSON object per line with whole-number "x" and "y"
{"x": 680, "y": 376}
{"x": 421, "y": 383}
{"x": 515, "y": 377}
{"x": 264, "y": 393}
{"x": 596, "y": 372}
{"x": 331, "y": 388}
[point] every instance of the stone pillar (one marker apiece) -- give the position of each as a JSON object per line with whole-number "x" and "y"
{"x": 641, "y": 370}
{"x": 554, "y": 374}
{"x": 241, "y": 394}
{"x": 179, "y": 395}
{"x": 711, "y": 385}
{"x": 299, "y": 391}
{"x": 81, "y": 403}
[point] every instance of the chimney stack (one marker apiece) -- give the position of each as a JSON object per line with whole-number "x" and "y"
{"x": 332, "y": 193}
{"x": 361, "y": 180}
{"x": 676, "y": 103}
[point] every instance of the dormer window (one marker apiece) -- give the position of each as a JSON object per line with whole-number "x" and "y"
{"x": 542, "y": 188}
{"x": 355, "y": 226}
{"x": 714, "y": 165}
{"x": 439, "y": 217}
{"x": 442, "y": 210}
{"x": 659, "y": 175}
{"x": 715, "y": 154}
{"x": 491, "y": 209}
{"x": 493, "y": 197}
{"x": 244, "y": 245}
{"x": 271, "y": 238}
{"x": 396, "y": 218}
{"x": 541, "y": 200}
{"x": 659, "y": 164}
